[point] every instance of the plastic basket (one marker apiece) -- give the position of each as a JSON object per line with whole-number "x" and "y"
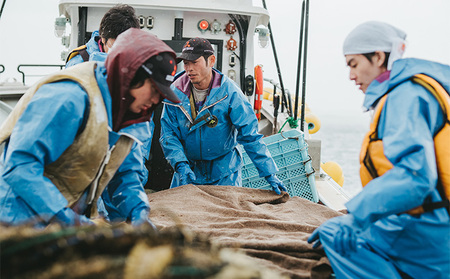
{"x": 290, "y": 152}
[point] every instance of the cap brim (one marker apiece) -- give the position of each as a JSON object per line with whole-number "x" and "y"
{"x": 188, "y": 56}
{"x": 167, "y": 92}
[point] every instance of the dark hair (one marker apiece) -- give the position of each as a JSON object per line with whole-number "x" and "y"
{"x": 370, "y": 55}
{"x": 206, "y": 56}
{"x": 117, "y": 20}
{"x": 139, "y": 78}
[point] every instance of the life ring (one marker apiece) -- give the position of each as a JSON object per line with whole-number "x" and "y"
{"x": 313, "y": 122}
{"x": 258, "y": 90}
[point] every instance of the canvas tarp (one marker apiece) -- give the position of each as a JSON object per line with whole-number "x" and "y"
{"x": 270, "y": 228}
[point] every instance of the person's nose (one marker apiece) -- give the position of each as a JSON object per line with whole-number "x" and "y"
{"x": 352, "y": 75}
{"x": 155, "y": 98}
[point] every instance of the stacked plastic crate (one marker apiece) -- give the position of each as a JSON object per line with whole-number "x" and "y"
{"x": 290, "y": 152}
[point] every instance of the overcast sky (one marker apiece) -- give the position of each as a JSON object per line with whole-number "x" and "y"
{"x": 26, "y": 36}
{"x": 329, "y": 91}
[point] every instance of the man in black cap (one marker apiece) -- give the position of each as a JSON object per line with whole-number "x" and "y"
{"x": 199, "y": 136}
{"x": 68, "y": 147}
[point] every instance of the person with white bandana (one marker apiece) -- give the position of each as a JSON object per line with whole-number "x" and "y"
{"x": 398, "y": 226}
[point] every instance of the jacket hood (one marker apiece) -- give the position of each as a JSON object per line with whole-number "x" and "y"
{"x": 130, "y": 50}
{"x": 92, "y": 44}
{"x": 403, "y": 70}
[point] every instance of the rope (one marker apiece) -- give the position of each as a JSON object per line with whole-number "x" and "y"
{"x": 293, "y": 123}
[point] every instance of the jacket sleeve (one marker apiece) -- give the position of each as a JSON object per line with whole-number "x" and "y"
{"x": 408, "y": 122}
{"x": 43, "y": 132}
{"x": 170, "y": 137}
{"x": 246, "y": 123}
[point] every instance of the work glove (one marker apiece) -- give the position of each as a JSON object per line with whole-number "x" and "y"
{"x": 276, "y": 184}
{"x": 140, "y": 216}
{"x": 67, "y": 217}
{"x": 344, "y": 240}
{"x": 186, "y": 174}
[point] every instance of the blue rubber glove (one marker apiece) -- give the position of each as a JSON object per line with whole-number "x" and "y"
{"x": 140, "y": 216}
{"x": 345, "y": 238}
{"x": 314, "y": 237}
{"x": 276, "y": 184}
{"x": 68, "y": 217}
{"x": 186, "y": 174}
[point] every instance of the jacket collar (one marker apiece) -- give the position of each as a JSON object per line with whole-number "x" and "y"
{"x": 402, "y": 70}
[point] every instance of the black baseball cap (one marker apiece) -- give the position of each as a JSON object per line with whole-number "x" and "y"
{"x": 195, "y": 48}
{"x": 162, "y": 69}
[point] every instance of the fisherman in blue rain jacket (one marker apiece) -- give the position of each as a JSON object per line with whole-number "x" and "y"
{"x": 398, "y": 226}
{"x": 199, "y": 137}
{"x": 65, "y": 142}
{"x": 115, "y": 21}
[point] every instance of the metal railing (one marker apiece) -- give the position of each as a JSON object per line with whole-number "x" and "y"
{"x": 19, "y": 69}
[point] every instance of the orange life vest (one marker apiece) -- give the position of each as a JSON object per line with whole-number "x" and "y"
{"x": 374, "y": 163}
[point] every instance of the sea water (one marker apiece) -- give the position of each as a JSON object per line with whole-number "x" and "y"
{"x": 341, "y": 138}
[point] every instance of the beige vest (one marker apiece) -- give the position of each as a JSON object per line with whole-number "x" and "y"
{"x": 88, "y": 161}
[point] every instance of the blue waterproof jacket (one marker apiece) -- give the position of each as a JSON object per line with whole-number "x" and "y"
{"x": 391, "y": 242}
{"x": 92, "y": 49}
{"x": 211, "y": 150}
{"x": 25, "y": 192}
{"x": 143, "y": 131}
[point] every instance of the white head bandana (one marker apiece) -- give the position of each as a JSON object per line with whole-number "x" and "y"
{"x": 374, "y": 36}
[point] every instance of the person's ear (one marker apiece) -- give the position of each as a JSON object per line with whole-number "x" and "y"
{"x": 379, "y": 58}
{"x": 212, "y": 60}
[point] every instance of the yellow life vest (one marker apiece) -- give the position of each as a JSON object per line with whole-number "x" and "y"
{"x": 374, "y": 163}
{"x": 88, "y": 164}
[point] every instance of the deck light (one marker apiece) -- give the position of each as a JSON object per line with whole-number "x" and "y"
{"x": 60, "y": 26}
{"x": 263, "y": 35}
{"x": 203, "y": 25}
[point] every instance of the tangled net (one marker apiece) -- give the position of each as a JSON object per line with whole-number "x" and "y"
{"x": 119, "y": 251}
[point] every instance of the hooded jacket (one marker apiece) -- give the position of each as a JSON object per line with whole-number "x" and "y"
{"x": 410, "y": 119}
{"x": 49, "y": 125}
{"x": 417, "y": 245}
{"x": 92, "y": 50}
{"x": 210, "y": 148}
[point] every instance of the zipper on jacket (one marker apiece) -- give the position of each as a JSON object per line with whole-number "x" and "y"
{"x": 207, "y": 107}
{"x": 94, "y": 184}
{"x": 182, "y": 110}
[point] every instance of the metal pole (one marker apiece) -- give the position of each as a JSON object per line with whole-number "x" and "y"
{"x": 299, "y": 63}
{"x": 304, "y": 64}
{"x": 3, "y": 6}
{"x": 276, "y": 62}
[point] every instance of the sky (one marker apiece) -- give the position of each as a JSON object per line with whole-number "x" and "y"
{"x": 329, "y": 90}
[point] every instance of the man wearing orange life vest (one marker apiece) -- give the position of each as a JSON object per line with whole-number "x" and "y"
{"x": 398, "y": 226}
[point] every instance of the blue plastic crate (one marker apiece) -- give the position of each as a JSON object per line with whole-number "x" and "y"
{"x": 290, "y": 152}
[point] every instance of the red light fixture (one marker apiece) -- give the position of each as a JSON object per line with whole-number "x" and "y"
{"x": 203, "y": 25}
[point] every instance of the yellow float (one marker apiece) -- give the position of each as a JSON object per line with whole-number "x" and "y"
{"x": 312, "y": 121}
{"x": 334, "y": 170}
{"x": 268, "y": 93}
